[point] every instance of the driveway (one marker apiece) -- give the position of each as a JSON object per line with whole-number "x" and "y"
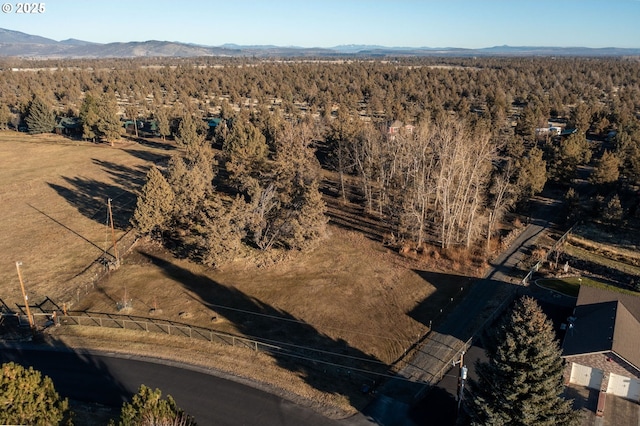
{"x": 617, "y": 412}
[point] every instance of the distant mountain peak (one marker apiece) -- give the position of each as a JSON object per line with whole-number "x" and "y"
{"x": 19, "y": 44}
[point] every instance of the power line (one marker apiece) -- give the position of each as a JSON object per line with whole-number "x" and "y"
{"x": 306, "y": 323}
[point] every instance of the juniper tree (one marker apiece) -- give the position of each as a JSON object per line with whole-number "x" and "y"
{"x": 521, "y": 384}
{"x": 5, "y": 117}
{"x": 147, "y": 408}
{"x": 40, "y": 118}
{"x": 28, "y": 397}
{"x": 532, "y": 174}
{"x": 607, "y": 169}
{"x": 89, "y": 117}
{"x": 163, "y": 122}
{"x": 219, "y": 228}
{"x": 108, "y": 124}
{"x": 155, "y": 203}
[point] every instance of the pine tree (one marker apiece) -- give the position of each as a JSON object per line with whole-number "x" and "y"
{"x": 607, "y": 169}
{"x": 532, "y": 174}
{"x": 521, "y": 384}
{"x": 40, "y": 118}
{"x": 567, "y": 156}
{"x": 163, "y": 122}
{"x": 188, "y": 132}
{"x": 147, "y": 408}
{"x": 89, "y": 117}
{"x": 5, "y": 117}
{"x": 27, "y": 397}
{"x": 155, "y": 203}
{"x": 220, "y": 229}
{"x": 108, "y": 125}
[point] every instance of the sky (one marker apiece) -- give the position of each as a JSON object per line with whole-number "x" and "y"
{"x": 328, "y": 23}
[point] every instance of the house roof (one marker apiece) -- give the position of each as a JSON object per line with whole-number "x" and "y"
{"x": 589, "y": 295}
{"x": 69, "y": 123}
{"x": 604, "y": 321}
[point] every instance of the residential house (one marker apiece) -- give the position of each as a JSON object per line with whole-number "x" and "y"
{"x": 600, "y": 347}
{"x": 396, "y": 127}
{"x": 69, "y": 126}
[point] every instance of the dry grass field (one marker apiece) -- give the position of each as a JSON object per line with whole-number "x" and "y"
{"x": 53, "y": 208}
{"x": 350, "y": 296}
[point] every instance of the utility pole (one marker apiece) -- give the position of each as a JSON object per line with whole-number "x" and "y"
{"x": 461, "y": 379}
{"x": 24, "y": 295}
{"x": 113, "y": 233}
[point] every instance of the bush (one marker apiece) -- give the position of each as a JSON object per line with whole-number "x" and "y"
{"x": 27, "y": 397}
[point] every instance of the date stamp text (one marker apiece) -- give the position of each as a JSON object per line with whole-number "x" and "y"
{"x": 24, "y": 8}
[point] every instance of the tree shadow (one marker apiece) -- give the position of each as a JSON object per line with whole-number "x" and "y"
{"x": 454, "y": 303}
{"x": 438, "y": 407}
{"x": 89, "y": 196}
{"x": 327, "y": 364}
{"x": 152, "y": 157}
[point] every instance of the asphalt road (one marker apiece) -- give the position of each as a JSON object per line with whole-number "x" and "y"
{"x": 211, "y": 400}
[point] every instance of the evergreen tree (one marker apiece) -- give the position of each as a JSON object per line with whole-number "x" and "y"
{"x": 155, "y": 203}
{"x": 163, "y": 122}
{"x": 147, "y": 408}
{"x": 246, "y": 151}
{"x": 27, "y": 397}
{"x": 220, "y": 229}
{"x": 567, "y": 156}
{"x": 188, "y": 132}
{"x": 532, "y": 174}
{"x": 108, "y": 125}
{"x": 40, "y": 118}
{"x": 5, "y": 117}
{"x": 607, "y": 169}
{"x": 89, "y": 117}
{"x": 613, "y": 211}
{"x": 521, "y": 384}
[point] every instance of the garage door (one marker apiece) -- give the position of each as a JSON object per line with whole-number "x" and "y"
{"x": 586, "y": 376}
{"x": 624, "y": 387}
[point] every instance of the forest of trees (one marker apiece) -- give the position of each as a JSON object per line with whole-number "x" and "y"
{"x": 472, "y": 150}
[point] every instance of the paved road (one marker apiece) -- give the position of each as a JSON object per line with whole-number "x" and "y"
{"x": 211, "y": 400}
{"x": 444, "y": 343}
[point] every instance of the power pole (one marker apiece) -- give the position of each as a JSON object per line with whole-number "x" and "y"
{"x": 462, "y": 378}
{"x": 113, "y": 233}
{"x": 24, "y": 295}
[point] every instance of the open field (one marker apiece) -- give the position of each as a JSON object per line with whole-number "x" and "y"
{"x": 53, "y": 205}
{"x": 350, "y": 297}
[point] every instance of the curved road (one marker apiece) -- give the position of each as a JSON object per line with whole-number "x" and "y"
{"x": 210, "y": 399}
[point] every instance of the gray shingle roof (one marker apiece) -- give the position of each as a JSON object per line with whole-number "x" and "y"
{"x": 605, "y": 321}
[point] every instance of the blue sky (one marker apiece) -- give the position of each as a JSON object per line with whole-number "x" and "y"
{"x": 326, "y": 23}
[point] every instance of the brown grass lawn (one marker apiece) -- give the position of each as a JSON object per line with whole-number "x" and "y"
{"x": 349, "y": 296}
{"x": 53, "y": 195}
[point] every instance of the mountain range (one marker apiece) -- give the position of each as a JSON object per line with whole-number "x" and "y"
{"x": 19, "y": 44}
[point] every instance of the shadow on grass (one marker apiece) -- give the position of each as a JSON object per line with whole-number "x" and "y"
{"x": 325, "y": 363}
{"x": 89, "y": 196}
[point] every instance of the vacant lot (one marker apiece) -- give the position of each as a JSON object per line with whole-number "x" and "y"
{"x": 351, "y": 297}
{"x": 53, "y": 205}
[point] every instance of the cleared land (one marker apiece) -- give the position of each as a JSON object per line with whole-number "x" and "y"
{"x": 360, "y": 302}
{"x": 53, "y": 204}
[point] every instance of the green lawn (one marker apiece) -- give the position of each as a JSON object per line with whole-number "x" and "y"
{"x": 570, "y": 286}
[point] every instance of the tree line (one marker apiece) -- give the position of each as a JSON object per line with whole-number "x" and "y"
{"x": 474, "y": 151}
